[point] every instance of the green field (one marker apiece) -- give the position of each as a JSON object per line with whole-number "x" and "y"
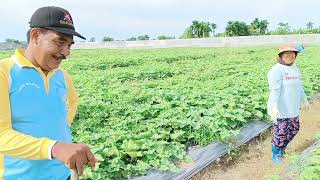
{"x": 141, "y": 109}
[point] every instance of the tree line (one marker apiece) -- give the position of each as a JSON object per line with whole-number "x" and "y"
{"x": 202, "y": 29}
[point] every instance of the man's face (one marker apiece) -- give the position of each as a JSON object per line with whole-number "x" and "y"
{"x": 288, "y": 57}
{"x": 51, "y": 48}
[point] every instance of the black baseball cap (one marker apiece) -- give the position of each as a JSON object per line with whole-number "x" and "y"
{"x": 54, "y": 18}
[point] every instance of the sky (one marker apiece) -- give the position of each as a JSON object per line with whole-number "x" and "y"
{"x": 122, "y": 19}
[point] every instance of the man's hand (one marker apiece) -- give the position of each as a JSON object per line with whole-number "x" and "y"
{"x": 75, "y": 156}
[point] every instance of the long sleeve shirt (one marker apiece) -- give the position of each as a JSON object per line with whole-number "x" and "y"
{"x": 35, "y": 111}
{"x": 286, "y": 90}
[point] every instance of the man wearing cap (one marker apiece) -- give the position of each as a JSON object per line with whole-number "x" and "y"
{"x": 38, "y": 103}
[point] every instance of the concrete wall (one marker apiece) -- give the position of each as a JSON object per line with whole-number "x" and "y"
{"x": 241, "y": 41}
{"x": 11, "y": 46}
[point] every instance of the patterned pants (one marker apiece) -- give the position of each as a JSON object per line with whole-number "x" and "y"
{"x": 284, "y": 131}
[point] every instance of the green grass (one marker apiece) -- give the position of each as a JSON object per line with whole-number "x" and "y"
{"x": 306, "y": 166}
{"x": 311, "y": 168}
{"x": 5, "y": 54}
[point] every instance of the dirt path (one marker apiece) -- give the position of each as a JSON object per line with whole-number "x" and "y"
{"x": 254, "y": 160}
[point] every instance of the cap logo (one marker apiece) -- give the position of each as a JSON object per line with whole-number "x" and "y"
{"x": 67, "y": 19}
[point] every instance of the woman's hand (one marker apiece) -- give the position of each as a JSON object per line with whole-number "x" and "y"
{"x": 275, "y": 114}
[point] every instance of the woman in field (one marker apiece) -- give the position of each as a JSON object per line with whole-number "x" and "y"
{"x": 285, "y": 98}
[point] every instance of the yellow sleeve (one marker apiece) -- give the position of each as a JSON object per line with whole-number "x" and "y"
{"x": 13, "y": 143}
{"x": 73, "y": 98}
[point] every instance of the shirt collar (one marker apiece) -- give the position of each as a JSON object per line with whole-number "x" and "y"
{"x": 21, "y": 60}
